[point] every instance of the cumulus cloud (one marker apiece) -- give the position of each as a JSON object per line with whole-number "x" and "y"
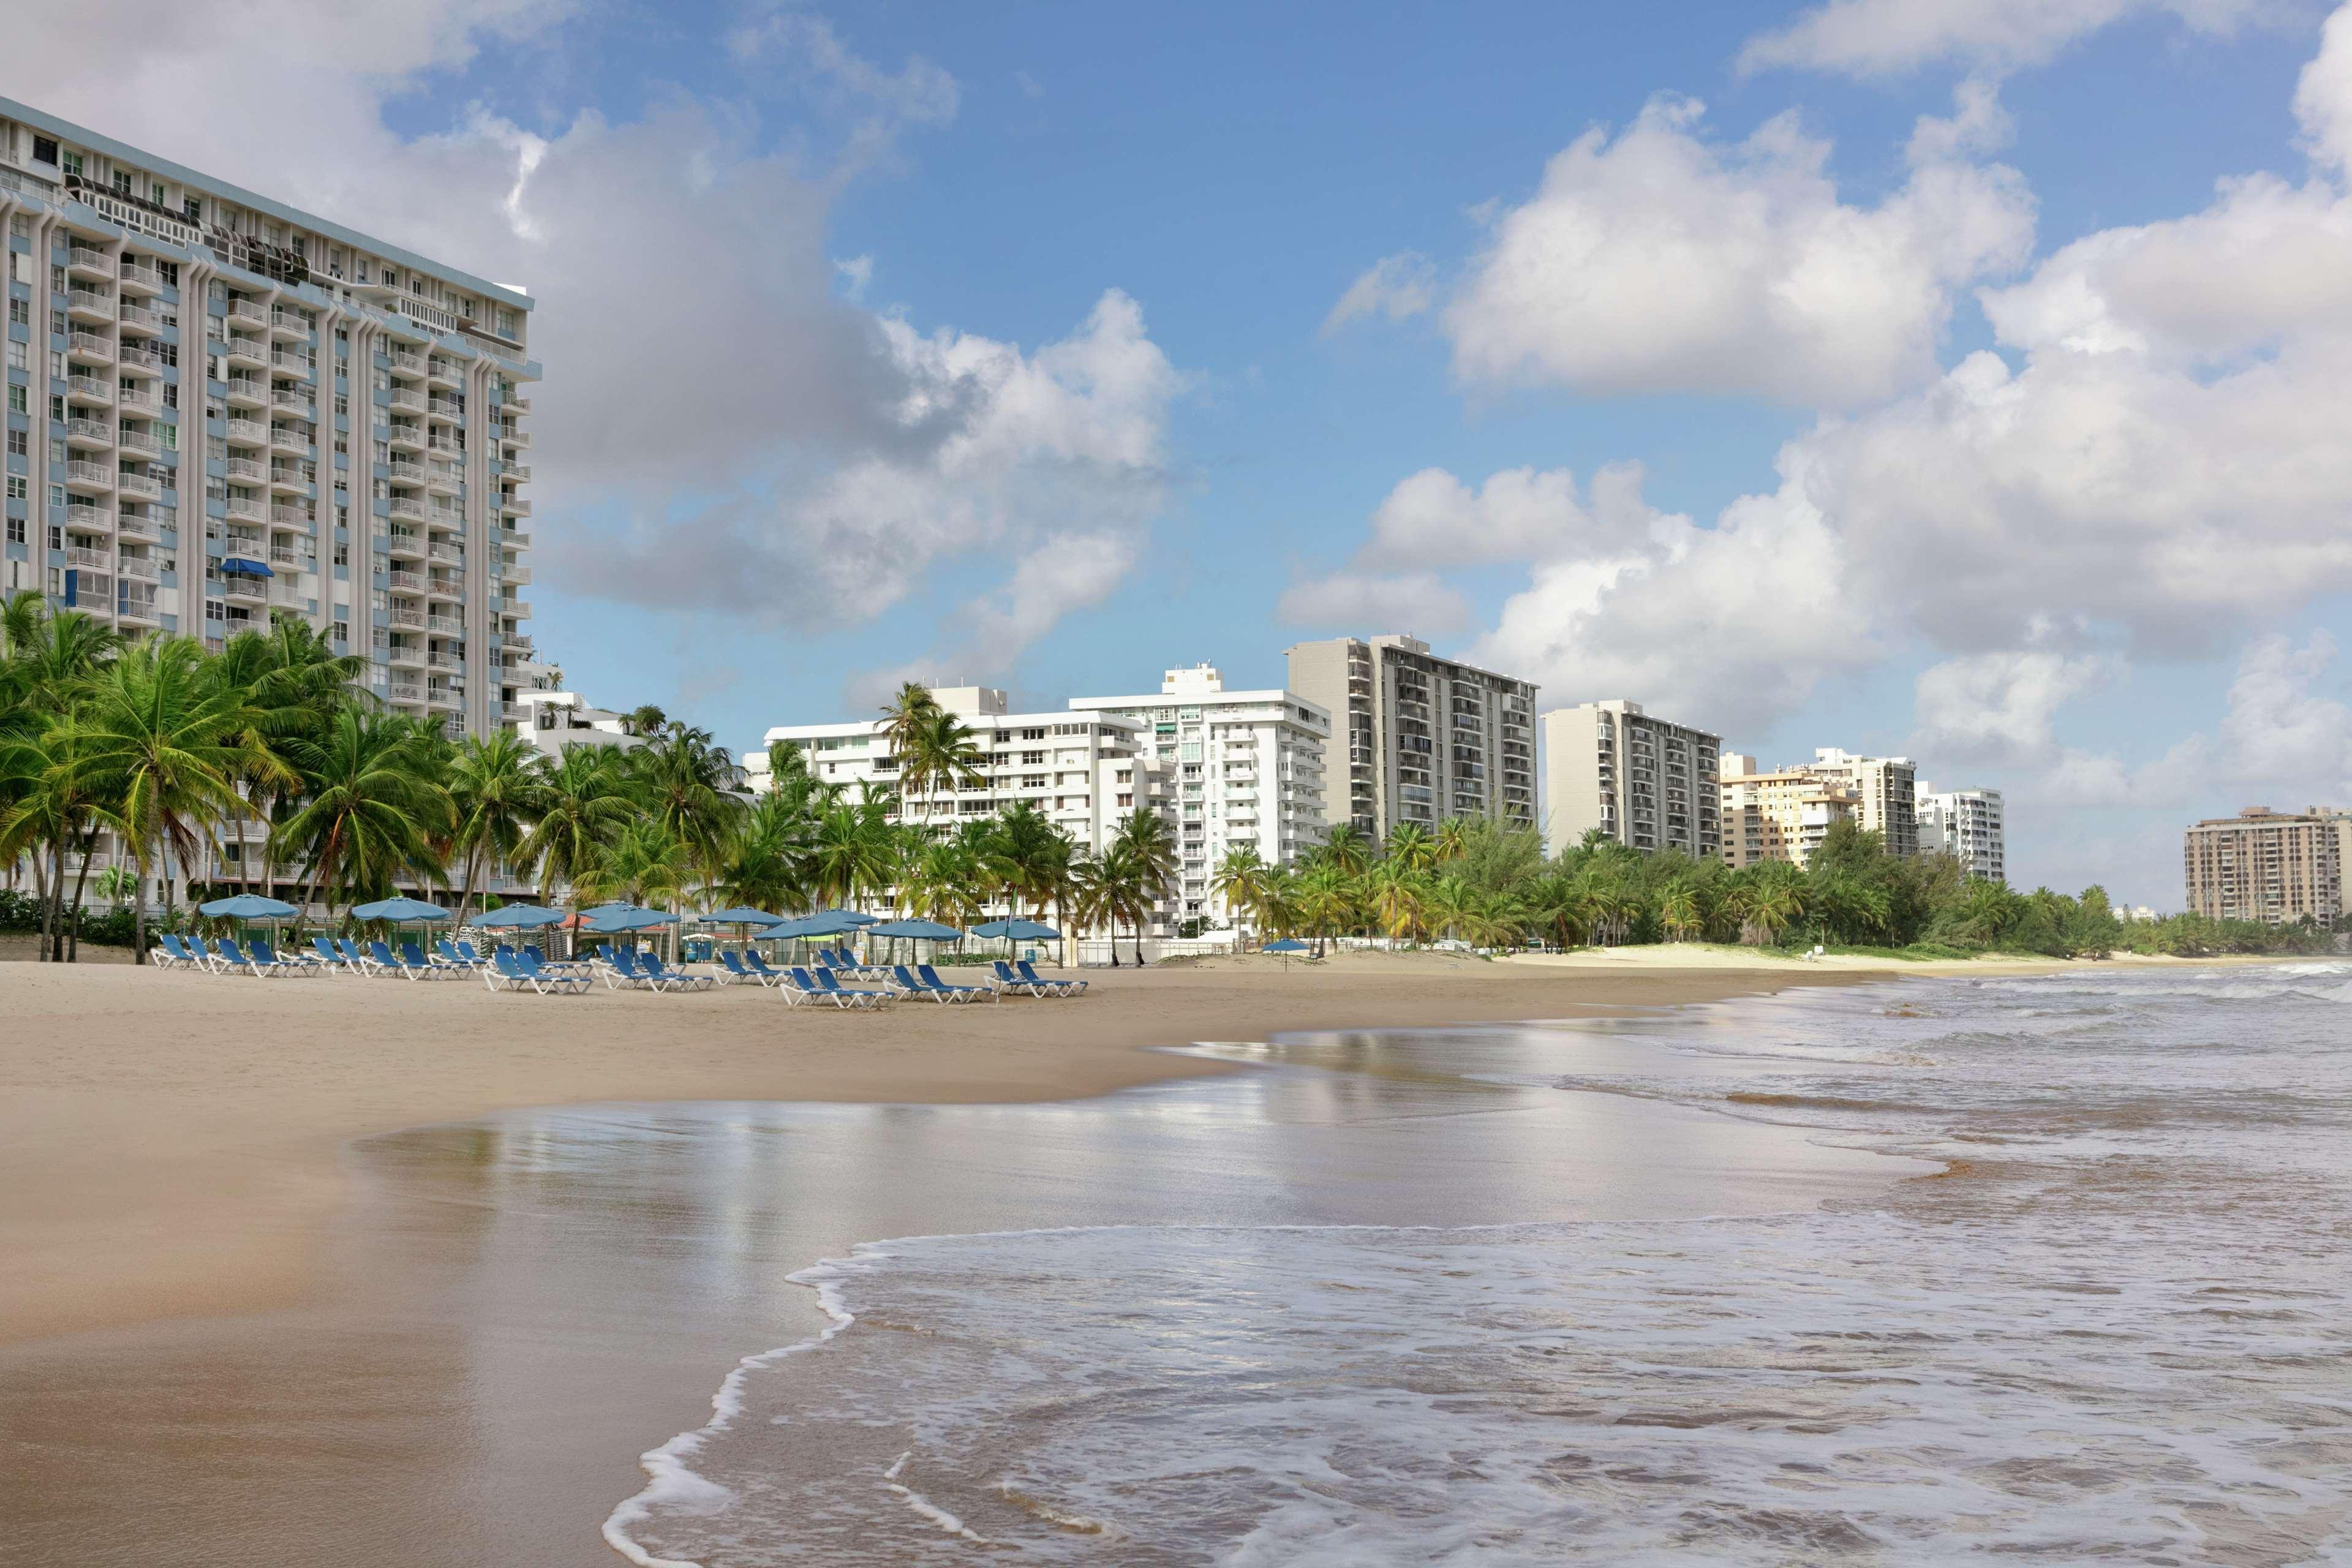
{"x": 1395, "y": 287}
{"x": 721, "y": 429}
{"x": 1999, "y": 709}
{"x": 1882, "y": 37}
{"x": 1416, "y": 602}
{"x": 1663, "y": 261}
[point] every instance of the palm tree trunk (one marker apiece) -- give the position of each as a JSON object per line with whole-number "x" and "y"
{"x": 73, "y": 940}
{"x": 56, "y": 925}
{"x": 139, "y": 909}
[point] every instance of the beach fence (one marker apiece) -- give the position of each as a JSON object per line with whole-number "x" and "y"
{"x": 1094, "y": 951}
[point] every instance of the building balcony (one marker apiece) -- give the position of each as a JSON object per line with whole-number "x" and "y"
{"x": 287, "y": 481}
{"x": 292, "y": 517}
{"x": 449, "y": 552}
{"x": 241, "y": 589}
{"x": 140, "y": 441}
{"x": 290, "y": 438}
{"x": 137, "y": 526}
{"x": 295, "y": 401}
{"x": 445, "y": 588}
{"x": 248, "y": 310}
{"x": 441, "y": 697}
{"x": 286, "y": 323}
{"x": 247, "y": 392}
{"x": 447, "y": 410}
{"x": 514, "y": 609}
{"x": 514, "y": 438}
{"x": 139, "y": 278}
{"x": 519, "y": 472}
{"x": 96, "y": 478}
{"x": 404, "y": 437}
{"x": 90, "y": 432}
{"x": 88, "y": 519}
{"x": 445, "y": 661}
{"x": 409, "y": 510}
{"x": 514, "y": 506}
{"x": 405, "y": 691}
{"x": 138, "y": 566}
{"x": 405, "y": 546}
{"x": 443, "y": 480}
{"x": 440, "y": 372}
{"x": 138, "y": 400}
{"x": 90, "y": 346}
{"x": 286, "y": 362}
{"x": 408, "y": 581}
{"x": 90, "y": 305}
{"x": 406, "y": 362}
{"x": 138, "y": 608}
{"x": 145, "y": 363}
{"x": 250, "y": 352}
{"x": 405, "y": 471}
{"x": 445, "y": 625}
{"x": 247, "y": 508}
{"x": 247, "y": 471}
{"x": 402, "y": 616}
{"x": 90, "y": 392}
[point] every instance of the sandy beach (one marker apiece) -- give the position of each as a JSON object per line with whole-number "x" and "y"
{"x": 214, "y": 1290}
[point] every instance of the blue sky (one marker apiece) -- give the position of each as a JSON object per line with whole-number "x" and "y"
{"x": 1030, "y": 374}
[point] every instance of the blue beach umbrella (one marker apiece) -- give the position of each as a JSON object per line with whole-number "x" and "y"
{"x": 738, "y": 916}
{"x": 522, "y": 917}
{"x": 615, "y": 922}
{"x": 1018, "y": 930}
{"x": 1285, "y": 947}
{"x": 915, "y": 931}
{"x": 399, "y": 911}
{"x": 246, "y": 907}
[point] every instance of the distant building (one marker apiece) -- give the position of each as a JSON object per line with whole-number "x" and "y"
{"x": 2279, "y": 868}
{"x": 556, "y": 721}
{"x": 1886, "y": 794}
{"x": 1782, "y": 815}
{"x": 1416, "y": 738}
{"x": 1247, "y": 769}
{"x": 1968, "y": 826}
{"x": 1641, "y": 780}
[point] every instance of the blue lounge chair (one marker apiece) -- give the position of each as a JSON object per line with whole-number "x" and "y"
{"x": 802, "y": 986}
{"x": 329, "y": 953}
{"x": 392, "y": 962}
{"x": 565, "y": 978}
{"x": 731, "y": 971}
{"x": 506, "y": 969}
{"x": 911, "y": 983}
{"x": 957, "y": 993}
{"x": 357, "y": 959}
{"x": 450, "y": 956}
{"x": 266, "y": 956}
{"x": 760, "y": 967}
{"x": 413, "y": 956}
{"x": 169, "y": 953}
{"x": 1008, "y": 981}
{"x": 234, "y": 957}
{"x": 832, "y": 986}
{"x": 679, "y": 979}
{"x": 469, "y": 957}
{"x": 621, "y": 969}
{"x": 1028, "y": 971}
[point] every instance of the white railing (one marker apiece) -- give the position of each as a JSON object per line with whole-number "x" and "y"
{"x": 412, "y": 510}
{"x": 89, "y": 345}
{"x": 290, "y": 517}
{"x": 83, "y": 473}
{"x": 137, "y": 566}
{"x": 89, "y": 300}
{"x": 246, "y": 311}
{"x": 91, "y": 430}
{"x": 140, "y": 441}
{"x": 91, "y": 387}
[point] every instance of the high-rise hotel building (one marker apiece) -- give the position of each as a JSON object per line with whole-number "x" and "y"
{"x": 1416, "y": 738}
{"x": 222, "y": 410}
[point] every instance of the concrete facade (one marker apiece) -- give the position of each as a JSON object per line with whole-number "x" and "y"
{"x": 1969, "y": 825}
{"x": 2278, "y": 867}
{"x": 1247, "y": 770}
{"x": 1416, "y": 738}
{"x": 1641, "y": 780}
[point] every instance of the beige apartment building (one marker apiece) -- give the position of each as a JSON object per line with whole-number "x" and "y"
{"x": 1415, "y": 738}
{"x": 1886, "y": 794}
{"x": 2279, "y": 868}
{"x": 1782, "y": 815}
{"x": 1643, "y": 781}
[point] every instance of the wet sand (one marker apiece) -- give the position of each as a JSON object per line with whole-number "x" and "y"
{"x": 239, "y": 1324}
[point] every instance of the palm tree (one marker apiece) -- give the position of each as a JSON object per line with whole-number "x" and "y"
{"x": 1395, "y": 893}
{"x": 856, "y": 854}
{"x": 645, "y": 722}
{"x": 495, "y": 786}
{"x": 1146, "y": 851}
{"x": 685, "y": 781}
{"x": 1244, "y": 881}
{"x": 1327, "y": 901}
{"x": 1412, "y": 847}
{"x": 157, "y": 745}
{"x": 583, "y": 801}
{"x": 905, "y": 719}
{"x": 372, "y": 811}
{"x": 645, "y": 863}
{"x": 1452, "y": 839}
{"x": 1032, "y": 855}
{"x": 766, "y": 861}
{"x": 946, "y": 755}
{"x": 1346, "y": 847}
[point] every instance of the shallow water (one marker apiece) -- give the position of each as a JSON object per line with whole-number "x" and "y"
{"x": 2115, "y": 1330}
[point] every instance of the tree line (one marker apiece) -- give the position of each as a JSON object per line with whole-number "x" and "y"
{"x": 172, "y": 749}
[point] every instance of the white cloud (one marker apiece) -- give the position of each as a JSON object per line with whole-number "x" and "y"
{"x": 1999, "y": 709}
{"x": 1663, "y": 261}
{"x": 774, "y": 450}
{"x": 1518, "y": 514}
{"x": 1878, "y": 38}
{"x": 1395, "y": 287}
{"x": 1418, "y": 602}
{"x": 2323, "y": 95}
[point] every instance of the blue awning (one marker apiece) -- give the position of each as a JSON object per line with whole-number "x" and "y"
{"x": 238, "y": 566}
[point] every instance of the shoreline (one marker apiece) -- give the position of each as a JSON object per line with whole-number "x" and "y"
{"x": 171, "y": 1144}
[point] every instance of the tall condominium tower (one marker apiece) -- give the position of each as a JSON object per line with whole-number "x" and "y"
{"x": 1643, "y": 781}
{"x": 1886, "y": 794}
{"x": 2277, "y": 867}
{"x": 1246, "y": 772}
{"x": 1416, "y": 738}
{"x": 1966, "y": 824}
{"x": 222, "y": 410}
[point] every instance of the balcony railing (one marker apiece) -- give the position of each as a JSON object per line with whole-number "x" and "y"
{"x": 245, "y": 508}
{"x": 246, "y": 311}
{"x": 142, "y": 441}
{"x": 137, "y": 566}
{"x": 91, "y": 389}
{"x": 88, "y": 345}
{"x": 290, "y": 517}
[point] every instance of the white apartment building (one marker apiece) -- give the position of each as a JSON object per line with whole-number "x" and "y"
{"x": 1885, "y": 791}
{"x": 1967, "y": 825}
{"x": 1083, "y": 771}
{"x": 555, "y": 721}
{"x": 1643, "y": 781}
{"x": 222, "y": 410}
{"x": 1246, "y": 769}
{"x": 1417, "y": 738}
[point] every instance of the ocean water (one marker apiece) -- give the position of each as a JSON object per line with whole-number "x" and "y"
{"x": 2115, "y": 1326}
